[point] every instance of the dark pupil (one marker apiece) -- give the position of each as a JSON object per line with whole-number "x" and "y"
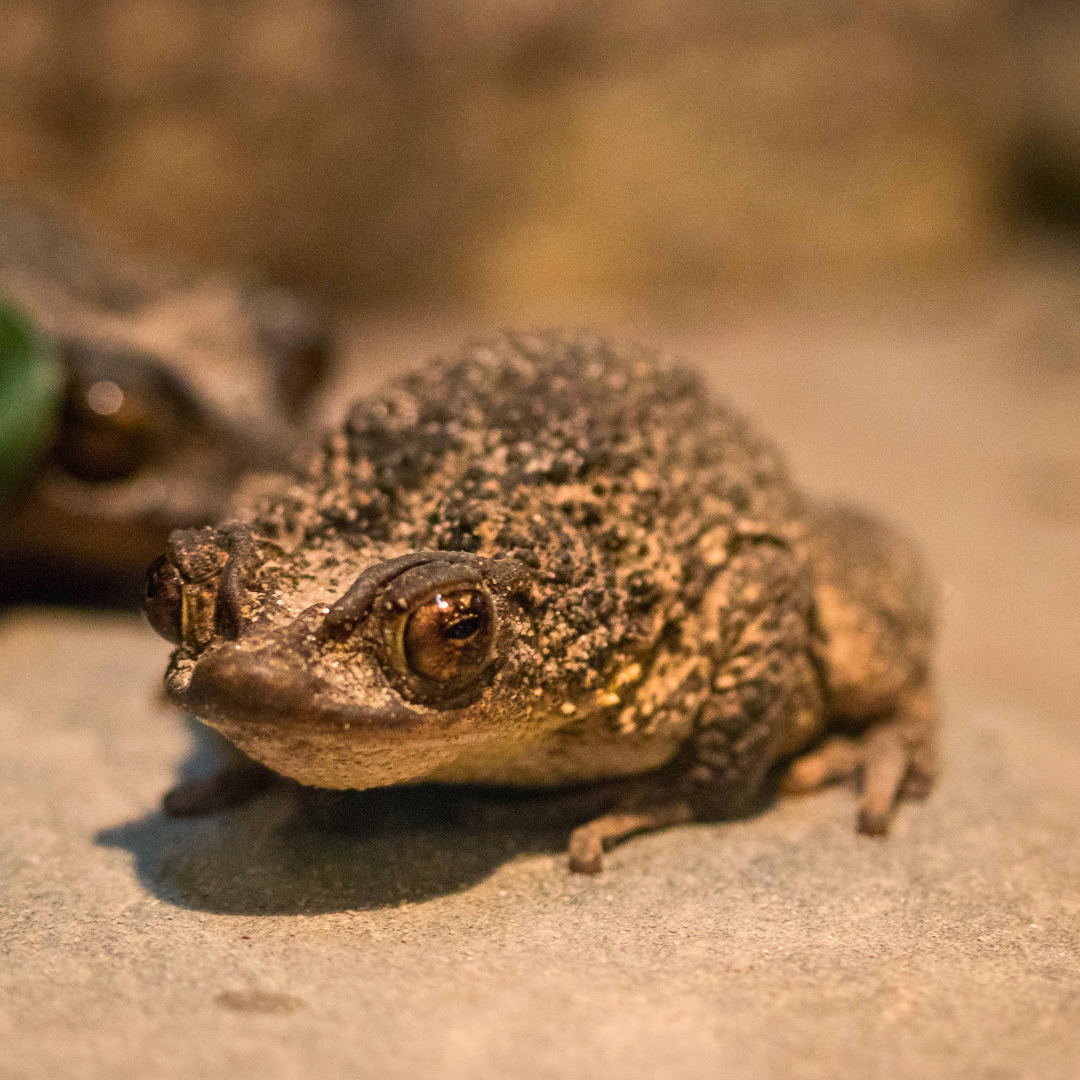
{"x": 464, "y": 629}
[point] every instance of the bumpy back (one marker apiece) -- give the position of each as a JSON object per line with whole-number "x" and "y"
{"x": 607, "y": 469}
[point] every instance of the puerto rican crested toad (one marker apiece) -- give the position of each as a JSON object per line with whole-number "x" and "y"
{"x": 554, "y": 562}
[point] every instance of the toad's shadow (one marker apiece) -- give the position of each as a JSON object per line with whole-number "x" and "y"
{"x": 375, "y": 849}
{"x": 294, "y": 850}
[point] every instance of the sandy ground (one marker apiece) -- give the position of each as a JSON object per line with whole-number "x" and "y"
{"x": 251, "y": 945}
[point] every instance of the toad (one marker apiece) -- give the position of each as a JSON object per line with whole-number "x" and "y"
{"x": 553, "y": 562}
{"x": 170, "y": 387}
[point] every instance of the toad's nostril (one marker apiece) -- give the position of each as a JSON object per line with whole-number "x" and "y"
{"x": 162, "y": 599}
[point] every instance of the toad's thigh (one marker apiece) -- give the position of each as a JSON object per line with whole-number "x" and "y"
{"x": 876, "y": 612}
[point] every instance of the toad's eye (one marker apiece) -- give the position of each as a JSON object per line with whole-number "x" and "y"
{"x": 106, "y": 431}
{"x": 449, "y": 635}
{"x": 162, "y": 598}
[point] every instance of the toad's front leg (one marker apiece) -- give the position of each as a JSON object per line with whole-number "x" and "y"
{"x": 588, "y": 842}
{"x": 765, "y": 702}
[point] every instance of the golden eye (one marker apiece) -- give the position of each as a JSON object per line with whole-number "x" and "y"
{"x": 449, "y": 636}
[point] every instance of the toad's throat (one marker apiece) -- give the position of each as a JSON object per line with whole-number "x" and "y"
{"x": 344, "y": 756}
{"x": 340, "y": 757}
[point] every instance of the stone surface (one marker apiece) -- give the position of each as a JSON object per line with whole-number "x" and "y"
{"x": 252, "y": 945}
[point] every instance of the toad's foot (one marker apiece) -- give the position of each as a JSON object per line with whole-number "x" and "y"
{"x": 895, "y": 759}
{"x": 588, "y": 842}
{"x": 231, "y": 787}
{"x": 617, "y": 809}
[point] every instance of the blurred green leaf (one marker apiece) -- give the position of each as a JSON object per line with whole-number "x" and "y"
{"x": 30, "y": 381}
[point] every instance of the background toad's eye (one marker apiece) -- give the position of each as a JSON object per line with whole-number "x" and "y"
{"x": 449, "y": 636}
{"x": 106, "y": 430}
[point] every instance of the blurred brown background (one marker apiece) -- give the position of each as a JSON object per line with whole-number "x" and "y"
{"x": 546, "y": 157}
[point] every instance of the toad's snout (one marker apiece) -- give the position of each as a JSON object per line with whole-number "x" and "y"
{"x": 237, "y": 684}
{"x": 243, "y": 687}
{"x": 324, "y": 724}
